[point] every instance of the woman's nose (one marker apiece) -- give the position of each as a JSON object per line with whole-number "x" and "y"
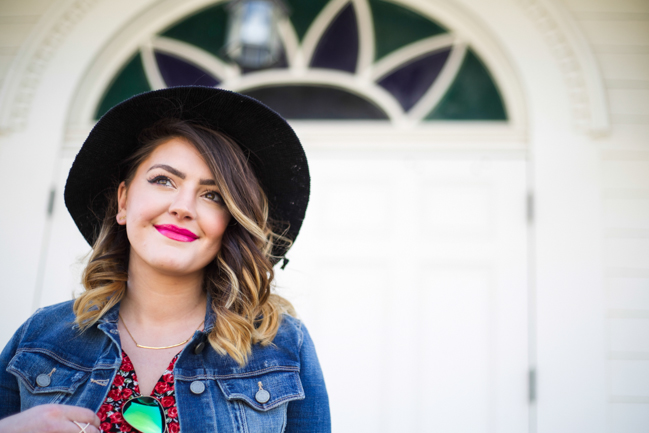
{"x": 183, "y": 206}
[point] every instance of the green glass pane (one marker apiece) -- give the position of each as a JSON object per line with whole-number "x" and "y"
{"x": 472, "y": 96}
{"x": 396, "y": 26}
{"x": 205, "y": 29}
{"x": 303, "y": 12}
{"x": 130, "y": 81}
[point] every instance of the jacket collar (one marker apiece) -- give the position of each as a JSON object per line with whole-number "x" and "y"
{"x": 112, "y": 315}
{"x": 210, "y": 315}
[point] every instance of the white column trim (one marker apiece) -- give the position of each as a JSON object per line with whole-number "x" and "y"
{"x": 577, "y": 63}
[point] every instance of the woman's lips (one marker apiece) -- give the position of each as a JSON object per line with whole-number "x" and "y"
{"x": 176, "y": 233}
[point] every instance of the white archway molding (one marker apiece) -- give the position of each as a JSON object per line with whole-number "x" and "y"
{"x": 25, "y": 74}
{"x": 572, "y": 54}
{"x": 55, "y": 30}
{"x": 577, "y": 62}
{"x": 465, "y": 30}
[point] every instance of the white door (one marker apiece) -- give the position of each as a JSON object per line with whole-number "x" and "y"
{"x": 411, "y": 273}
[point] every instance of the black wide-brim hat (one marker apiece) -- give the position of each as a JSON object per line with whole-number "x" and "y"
{"x": 273, "y": 151}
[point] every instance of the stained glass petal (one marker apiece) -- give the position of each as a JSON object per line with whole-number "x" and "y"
{"x": 177, "y": 72}
{"x": 411, "y": 81}
{"x": 130, "y": 81}
{"x": 396, "y": 26}
{"x": 205, "y": 29}
{"x": 303, "y": 13}
{"x": 472, "y": 96}
{"x": 338, "y": 46}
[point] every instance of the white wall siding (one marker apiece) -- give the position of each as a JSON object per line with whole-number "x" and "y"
{"x": 601, "y": 6}
{"x": 625, "y": 201}
{"x": 629, "y": 293}
{"x": 619, "y": 33}
{"x": 628, "y": 333}
{"x": 620, "y": 67}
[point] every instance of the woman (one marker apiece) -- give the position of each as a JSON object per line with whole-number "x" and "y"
{"x": 189, "y": 196}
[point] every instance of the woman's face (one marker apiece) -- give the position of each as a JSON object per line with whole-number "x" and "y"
{"x": 174, "y": 215}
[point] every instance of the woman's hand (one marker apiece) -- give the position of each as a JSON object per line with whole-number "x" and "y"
{"x": 51, "y": 418}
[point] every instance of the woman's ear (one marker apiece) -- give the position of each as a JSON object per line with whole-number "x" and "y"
{"x": 121, "y": 204}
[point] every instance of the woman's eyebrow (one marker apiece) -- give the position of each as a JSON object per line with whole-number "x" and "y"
{"x": 169, "y": 168}
{"x": 180, "y": 174}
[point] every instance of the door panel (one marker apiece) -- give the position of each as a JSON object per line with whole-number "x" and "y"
{"x": 411, "y": 273}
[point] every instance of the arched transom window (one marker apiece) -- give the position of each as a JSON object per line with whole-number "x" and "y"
{"x": 341, "y": 59}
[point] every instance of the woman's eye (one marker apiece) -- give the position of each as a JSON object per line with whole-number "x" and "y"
{"x": 161, "y": 180}
{"x": 214, "y": 196}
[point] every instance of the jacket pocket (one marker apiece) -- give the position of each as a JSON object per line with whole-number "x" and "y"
{"x": 263, "y": 390}
{"x": 47, "y": 377}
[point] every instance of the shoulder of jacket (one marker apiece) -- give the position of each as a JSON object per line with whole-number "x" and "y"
{"x": 291, "y": 322}
{"x": 55, "y": 313}
{"x": 291, "y": 329}
{"x": 51, "y": 321}
{"x": 65, "y": 306}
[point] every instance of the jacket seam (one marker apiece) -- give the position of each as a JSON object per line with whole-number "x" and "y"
{"x": 238, "y": 375}
{"x": 299, "y": 348}
{"x": 66, "y": 390}
{"x": 243, "y": 397}
{"x": 242, "y": 416}
{"x": 66, "y": 362}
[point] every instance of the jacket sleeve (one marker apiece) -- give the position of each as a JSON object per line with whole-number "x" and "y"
{"x": 310, "y": 415}
{"x": 9, "y": 390}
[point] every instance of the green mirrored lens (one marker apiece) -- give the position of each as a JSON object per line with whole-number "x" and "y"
{"x": 145, "y": 414}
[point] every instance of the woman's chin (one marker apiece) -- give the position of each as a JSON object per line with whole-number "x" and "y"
{"x": 174, "y": 267}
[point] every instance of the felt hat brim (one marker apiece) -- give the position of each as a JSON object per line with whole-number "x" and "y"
{"x": 273, "y": 150}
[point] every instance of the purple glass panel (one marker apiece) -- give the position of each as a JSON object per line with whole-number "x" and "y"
{"x": 411, "y": 81}
{"x": 176, "y": 72}
{"x": 338, "y": 46}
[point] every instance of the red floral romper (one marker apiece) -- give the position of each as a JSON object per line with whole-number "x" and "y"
{"x": 125, "y": 385}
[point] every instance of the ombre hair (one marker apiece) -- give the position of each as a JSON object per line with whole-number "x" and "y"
{"x": 239, "y": 278}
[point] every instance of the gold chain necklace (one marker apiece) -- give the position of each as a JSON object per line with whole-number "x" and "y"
{"x": 157, "y": 348}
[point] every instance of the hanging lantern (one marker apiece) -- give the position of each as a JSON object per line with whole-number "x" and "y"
{"x": 253, "y": 38}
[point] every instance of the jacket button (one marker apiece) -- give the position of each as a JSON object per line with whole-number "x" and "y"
{"x": 199, "y": 348}
{"x": 197, "y": 387}
{"x": 262, "y": 396}
{"x": 43, "y": 380}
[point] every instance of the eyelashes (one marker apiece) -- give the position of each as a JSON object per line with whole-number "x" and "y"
{"x": 163, "y": 180}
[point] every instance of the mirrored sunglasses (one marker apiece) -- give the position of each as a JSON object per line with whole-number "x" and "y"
{"x": 145, "y": 414}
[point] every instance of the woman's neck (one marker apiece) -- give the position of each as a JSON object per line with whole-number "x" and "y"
{"x": 156, "y": 299}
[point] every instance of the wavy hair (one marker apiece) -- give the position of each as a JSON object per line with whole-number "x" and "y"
{"x": 238, "y": 279}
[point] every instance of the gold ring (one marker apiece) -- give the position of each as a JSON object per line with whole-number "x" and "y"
{"x": 83, "y": 429}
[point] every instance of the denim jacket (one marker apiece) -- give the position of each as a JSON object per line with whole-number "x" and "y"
{"x": 222, "y": 399}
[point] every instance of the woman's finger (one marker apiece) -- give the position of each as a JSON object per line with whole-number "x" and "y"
{"x": 81, "y": 415}
{"x": 82, "y": 427}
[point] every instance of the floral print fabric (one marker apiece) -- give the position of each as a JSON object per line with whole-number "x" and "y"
{"x": 125, "y": 386}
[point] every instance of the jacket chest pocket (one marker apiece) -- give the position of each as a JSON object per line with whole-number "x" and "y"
{"x": 45, "y": 378}
{"x": 260, "y": 401}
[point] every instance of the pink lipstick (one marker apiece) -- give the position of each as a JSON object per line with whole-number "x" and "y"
{"x": 176, "y": 233}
